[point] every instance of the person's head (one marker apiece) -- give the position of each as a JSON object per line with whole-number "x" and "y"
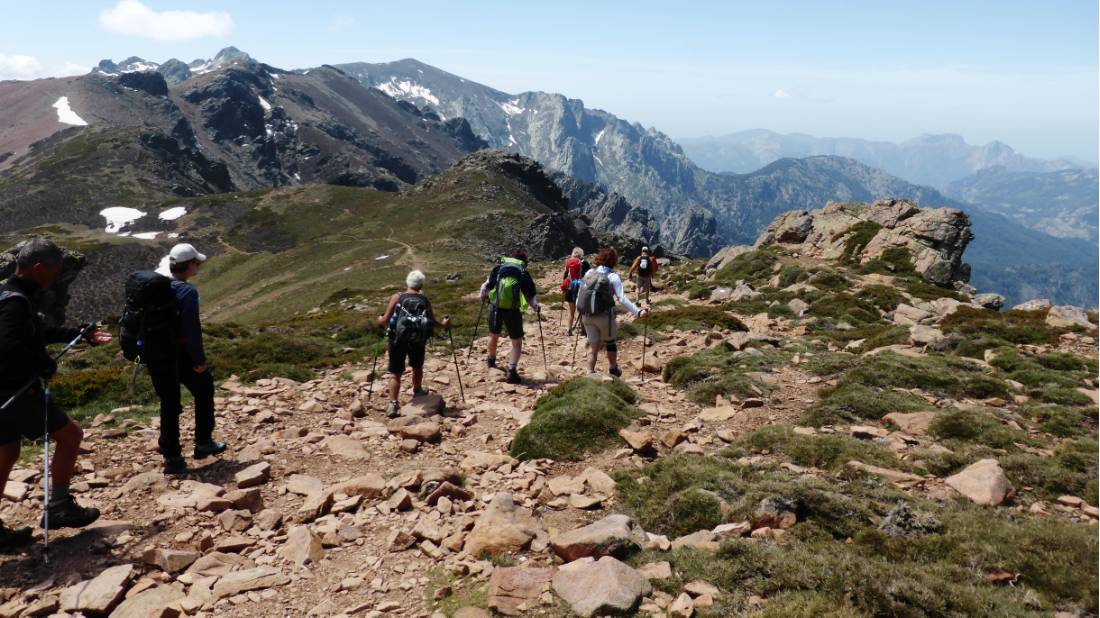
{"x": 578, "y": 252}
{"x": 521, "y": 255}
{"x": 645, "y": 250}
{"x": 415, "y": 280}
{"x": 184, "y": 261}
{"x": 39, "y": 260}
{"x": 607, "y": 257}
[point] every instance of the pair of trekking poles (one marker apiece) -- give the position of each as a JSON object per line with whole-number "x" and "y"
{"x": 46, "y": 434}
{"x": 458, "y": 372}
{"x": 645, "y": 334}
{"x": 542, "y": 339}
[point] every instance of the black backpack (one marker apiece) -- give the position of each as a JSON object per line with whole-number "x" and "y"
{"x": 643, "y": 265}
{"x": 150, "y": 321}
{"x": 413, "y": 324}
{"x": 596, "y": 296}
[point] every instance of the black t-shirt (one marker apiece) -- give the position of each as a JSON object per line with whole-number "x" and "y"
{"x": 23, "y": 336}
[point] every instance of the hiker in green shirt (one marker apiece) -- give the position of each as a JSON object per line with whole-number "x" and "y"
{"x": 508, "y": 290}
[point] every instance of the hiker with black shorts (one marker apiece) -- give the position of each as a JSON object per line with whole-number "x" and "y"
{"x": 601, "y": 290}
{"x": 411, "y": 323}
{"x": 184, "y": 363}
{"x": 575, "y": 268}
{"x": 23, "y": 360}
{"x": 644, "y": 267}
{"x": 508, "y": 289}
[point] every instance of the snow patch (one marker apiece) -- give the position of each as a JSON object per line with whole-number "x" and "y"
{"x": 511, "y": 140}
{"x": 402, "y": 88}
{"x": 512, "y": 107}
{"x": 66, "y": 115}
{"x": 174, "y": 235}
{"x": 119, "y": 217}
{"x": 264, "y": 104}
{"x": 597, "y": 159}
{"x": 599, "y": 135}
{"x": 382, "y": 257}
{"x": 141, "y": 67}
{"x": 147, "y": 235}
{"x": 172, "y": 213}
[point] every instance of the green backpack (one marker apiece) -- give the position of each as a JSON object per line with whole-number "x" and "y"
{"x": 507, "y": 294}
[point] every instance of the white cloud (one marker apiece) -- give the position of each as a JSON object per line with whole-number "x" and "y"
{"x": 19, "y": 66}
{"x": 133, "y": 18}
{"x": 782, "y": 94}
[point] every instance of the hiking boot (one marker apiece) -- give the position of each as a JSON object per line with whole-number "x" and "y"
{"x": 391, "y": 410}
{"x": 491, "y": 362}
{"x": 213, "y": 447}
{"x": 174, "y": 465}
{"x": 615, "y": 371}
{"x": 69, "y": 514}
{"x": 513, "y": 377}
{"x": 419, "y": 392}
{"x": 14, "y": 538}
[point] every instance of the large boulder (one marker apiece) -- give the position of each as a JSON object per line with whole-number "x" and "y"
{"x": 935, "y": 238}
{"x": 503, "y": 527}
{"x": 612, "y": 535}
{"x": 983, "y": 482}
{"x": 725, "y": 255}
{"x": 602, "y": 587}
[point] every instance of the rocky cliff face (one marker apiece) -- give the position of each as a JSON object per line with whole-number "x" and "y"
{"x": 54, "y": 302}
{"x": 934, "y": 238}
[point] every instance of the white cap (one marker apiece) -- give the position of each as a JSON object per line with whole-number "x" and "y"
{"x": 185, "y": 252}
{"x": 645, "y": 249}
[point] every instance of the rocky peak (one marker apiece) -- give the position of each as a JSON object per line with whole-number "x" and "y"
{"x": 935, "y": 237}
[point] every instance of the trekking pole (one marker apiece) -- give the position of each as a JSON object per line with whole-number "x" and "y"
{"x": 645, "y": 340}
{"x": 373, "y": 368}
{"x": 542, "y": 344}
{"x": 476, "y": 324}
{"x": 454, "y": 355}
{"x": 46, "y": 474}
{"x": 576, "y": 339}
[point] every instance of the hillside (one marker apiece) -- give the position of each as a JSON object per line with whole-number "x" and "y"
{"x": 933, "y": 160}
{"x": 807, "y": 436}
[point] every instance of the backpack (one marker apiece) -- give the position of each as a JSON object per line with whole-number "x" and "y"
{"x": 150, "y": 321}
{"x": 507, "y": 293}
{"x": 644, "y": 265}
{"x": 413, "y": 325}
{"x": 596, "y": 295}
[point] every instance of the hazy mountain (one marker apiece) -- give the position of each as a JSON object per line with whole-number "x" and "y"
{"x": 174, "y": 70}
{"x": 928, "y": 160}
{"x": 1062, "y": 203}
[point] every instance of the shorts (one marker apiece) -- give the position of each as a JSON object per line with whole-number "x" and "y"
{"x": 572, "y": 291}
{"x": 23, "y": 418}
{"x": 506, "y": 319}
{"x": 399, "y": 351}
{"x": 600, "y": 328}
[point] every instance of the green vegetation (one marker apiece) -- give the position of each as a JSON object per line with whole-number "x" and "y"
{"x": 838, "y": 561}
{"x": 857, "y": 237}
{"x": 828, "y": 452}
{"x": 719, "y": 370}
{"x": 893, "y": 261}
{"x": 1019, "y": 327}
{"x": 574, "y": 418}
{"x": 691, "y": 317}
{"x": 958, "y": 427}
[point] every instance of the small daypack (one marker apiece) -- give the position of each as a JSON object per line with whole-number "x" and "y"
{"x": 596, "y": 295}
{"x": 413, "y": 325}
{"x": 507, "y": 293}
{"x": 150, "y": 321}
{"x": 644, "y": 266}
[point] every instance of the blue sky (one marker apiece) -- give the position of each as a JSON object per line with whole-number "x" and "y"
{"x": 1021, "y": 72}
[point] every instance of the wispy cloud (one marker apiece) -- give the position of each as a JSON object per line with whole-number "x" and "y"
{"x": 131, "y": 17}
{"x": 19, "y": 66}
{"x": 782, "y": 94}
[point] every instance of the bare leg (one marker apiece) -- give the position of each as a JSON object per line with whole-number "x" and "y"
{"x": 493, "y": 345}
{"x": 9, "y": 454}
{"x": 418, "y": 378}
{"x": 572, "y": 311}
{"x": 68, "y": 440}
{"x": 612, "y": 359}
{"x": 395, "y": 386}
{"x": 517, "y": 349}
{"x": 593, "y": 356}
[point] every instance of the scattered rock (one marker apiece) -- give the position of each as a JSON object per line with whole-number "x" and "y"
{"x": 778, "y": 513}
{"x": 302, "y": 547}
{"x": 1067, "y": 316}
{"x": 983, "y": 482}
{"x": 170, "y": 560}
{"x": 502, "y": 527}
{"x": 304, "y": 485}
{"x": 157, "y": 602}
{"x": 612, "y": 535}
{"x": 346, "y": 447}
{"x": 682, "y": 607}
{"x": 603, "y": 587}
{"x": 369, "y": 486}
{"x": 914, "y": 423}
{"x": 904, "y": 521}
{"x": 656, "y": 570}
{"x": 257, "y": 578}
{"x": 256, "y": 474}
{"x": 515, "y": 591}
{"x": 703, "y": 540}
{"x": 99, "y": 594}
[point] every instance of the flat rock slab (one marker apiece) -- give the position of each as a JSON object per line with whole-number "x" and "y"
{"x": 602, "y": 587}
{"x": 913, "y": 423}
{"x": 99, "y": 594}
{"x": 256, "y": 474}
{"x": 369, "y": 485}
{"x": 612, "y": 535}
{"x": 983, "y": 482}
{"x": 258, "y": 578}
{"x": 514, "y": 591}
{"x": 502, "y": 527}
{"x": 152, "y": 602}
{"x": 346, "y": 447}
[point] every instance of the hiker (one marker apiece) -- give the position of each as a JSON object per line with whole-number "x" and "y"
{"x": 575, "y": 268}
{"x": 508, "y": 289}
{"x": 410, "y": 320}
{"x": 644, "y": 267}
{"x": 185, "y": 363}
{"x": 599, "y": 292}
{"x": 23, "y": 360}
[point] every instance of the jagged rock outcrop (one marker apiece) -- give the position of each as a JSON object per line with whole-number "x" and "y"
{"x": 935, "y": 238}
{"x": 608, "y": 210}
{"x": 54, "y": 301}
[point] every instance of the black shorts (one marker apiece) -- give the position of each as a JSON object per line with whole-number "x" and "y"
{"x": 23, "y": 418}
{"x": 572, "y": 291}
{"x": 398, "y": 353}
{"x": 506, "y": 319}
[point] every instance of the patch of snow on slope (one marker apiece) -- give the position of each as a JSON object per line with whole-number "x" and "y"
{"x": 66, "y": 115}
{"x": 205, "y": 67}
{"x": 401, "y": 88}
{"x": 119, "y": 217}
{"x": 597, "y": 159}
{"x": 172, "y": 213}
{"x": 511, "y": 140}
{"x": 147, "y": 235}
{"x": 140, "y": 67}
{"x": 599, "y": 135}
{"x": 512, "y": 107}
{"x": 264, "y": 104}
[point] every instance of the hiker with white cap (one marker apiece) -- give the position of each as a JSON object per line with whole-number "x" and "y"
{"x": 185, "y": 364}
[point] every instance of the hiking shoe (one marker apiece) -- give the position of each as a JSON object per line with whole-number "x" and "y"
{"x": 569, "y": 333}
{"x": 513, "y": 377}
{"x": 491, "y": 362}
{"x": 14, "y": 538}
{"x": 174, "y": 465}
{"x": 213, "y": 447}
{"x": 69, "y": 514}
{"x": 419, "y": 392}
{"x": 391, "y": 410}
{"x": 615, "y": 371}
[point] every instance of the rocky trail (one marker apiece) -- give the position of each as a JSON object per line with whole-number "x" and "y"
{"x": 323, "y": 507}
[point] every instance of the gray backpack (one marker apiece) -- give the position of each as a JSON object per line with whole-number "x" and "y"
{"x": 596, "y": 296}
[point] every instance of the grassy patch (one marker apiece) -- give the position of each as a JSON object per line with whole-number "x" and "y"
{"x": 720, "y": 371}
{"x": 884, "y": 297}
{"x": 858, "y": 236}
{"x": 753, "y": 267}
{"x": 828, "y": 452}
{"x": 576, "y": 417}
{"x": 1019, "y": 327}
{"x": 692, "y": 317}
{"x": 844, "y": 307}
{"x": 977, "y": 427}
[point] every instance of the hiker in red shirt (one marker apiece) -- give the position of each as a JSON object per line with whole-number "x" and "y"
{"x": 575, "y": 268}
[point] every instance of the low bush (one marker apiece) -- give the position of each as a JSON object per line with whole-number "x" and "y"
{"x": 1018, "y": 327}
{"x": 692, "y": 317}
{"x": 719, "y": 371}
{"x": 574, "y": 418}
{"x": 976, "y": 427}
{"x": 830, "y": 452}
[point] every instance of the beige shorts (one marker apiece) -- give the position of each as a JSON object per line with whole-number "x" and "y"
{"x": 599, "y": 328}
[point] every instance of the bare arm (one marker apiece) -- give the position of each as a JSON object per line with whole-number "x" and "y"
{"x": 385, "y": 317}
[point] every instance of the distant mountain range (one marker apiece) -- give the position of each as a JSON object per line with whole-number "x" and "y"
{"x": 934, "y": 160}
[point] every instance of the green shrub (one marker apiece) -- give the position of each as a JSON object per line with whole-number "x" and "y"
{"x": 845, "y": 307}
{"x": 1061, "y": 395}
{"x": 976, "y": 427}
{"x": 884, "y": 297}
{"x": 574, "y": 418}
{"x": 1018, "y": 327}
{"x": 692, "y": 317}
{"x": 854, "y": 402}
{"x": 753, "y": 267}
{"x": 857, "y": 238}
{"x": 830, "y": 280}
{"x": 718, "y": 371}
{"x": 829, "y": 452}
{"x": 1064, "y": 361}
